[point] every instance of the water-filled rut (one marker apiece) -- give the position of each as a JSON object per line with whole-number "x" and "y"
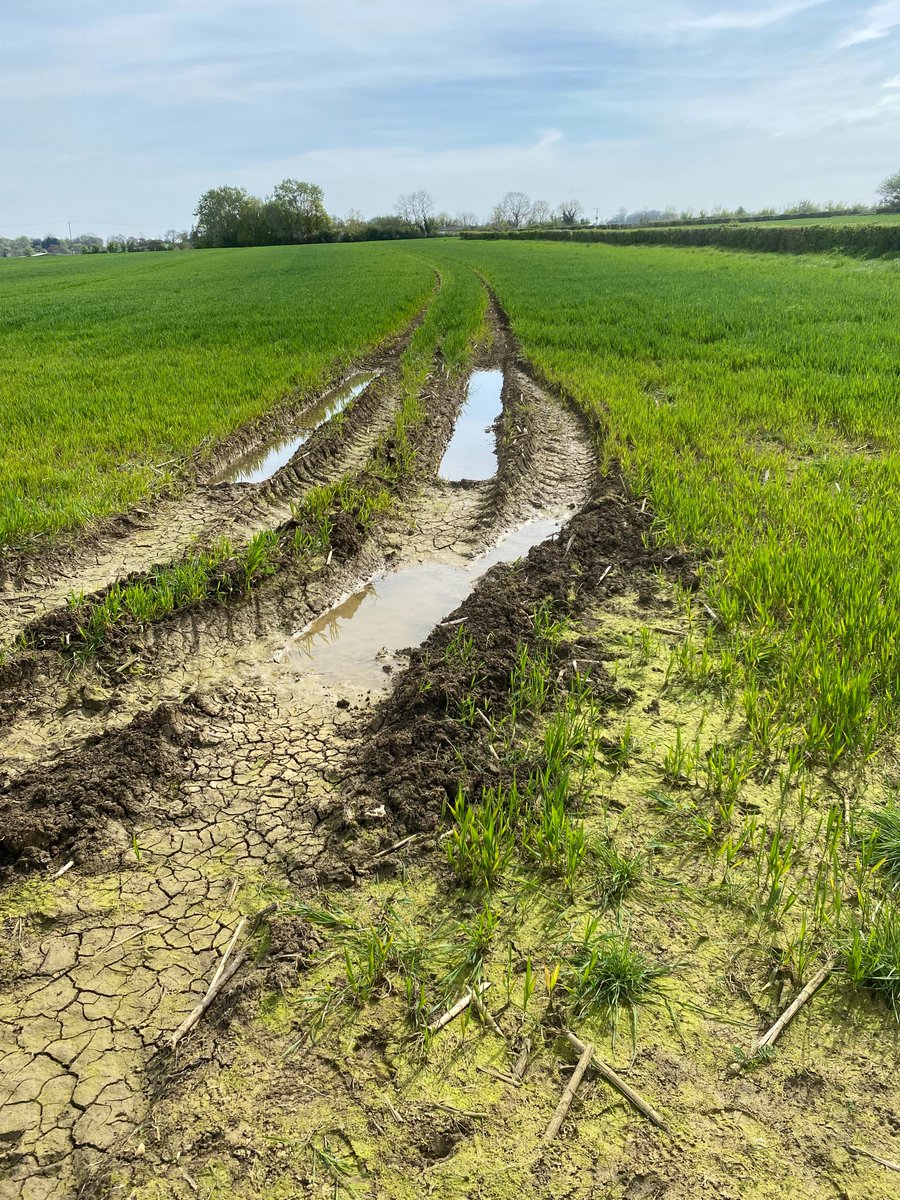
{"x": 264, "y": 460}
{"x": 472, "y": 452}
{"x": 182, "y": 816}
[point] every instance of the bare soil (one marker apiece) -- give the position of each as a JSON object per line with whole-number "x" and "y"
{"x": 187, "y": 776}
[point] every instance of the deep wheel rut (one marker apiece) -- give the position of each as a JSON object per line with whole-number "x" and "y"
{"x": 254, "y": 759}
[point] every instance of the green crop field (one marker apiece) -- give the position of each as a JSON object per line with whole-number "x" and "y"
{"x": 883, "y": 218}
{"x": 114, "y": 366}
{"x": 642, "y": 785}
{"x": 754, "y": 400}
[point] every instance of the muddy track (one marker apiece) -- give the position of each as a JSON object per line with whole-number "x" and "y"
{"x": 188, "y": 787}
{"x": 63, "y": 702}
{"x": 202, "y": 511}
{"x": 545, "y": 462}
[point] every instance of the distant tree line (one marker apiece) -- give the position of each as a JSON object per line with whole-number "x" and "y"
{"x": 721, "y": 216}
{"x": 90, "y": 243}
{"x": 295, "y": 213}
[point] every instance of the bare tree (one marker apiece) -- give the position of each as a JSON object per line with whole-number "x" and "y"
{"x": 418, "y": 209}
{"x": 889, "y": 191}
{"x": 540, "y": 213}
{"x": 570, "y": 211}
{"x": 513, "y": 210}
{"x": 465, "y": 220}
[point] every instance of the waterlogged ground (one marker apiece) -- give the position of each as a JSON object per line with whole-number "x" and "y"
{"x": 487, "y": 737}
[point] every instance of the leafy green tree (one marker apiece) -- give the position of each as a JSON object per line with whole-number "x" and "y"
{"x": 295, "y": 212}
{"x": 889, "y": 191}
{"x": 226, "y": 216}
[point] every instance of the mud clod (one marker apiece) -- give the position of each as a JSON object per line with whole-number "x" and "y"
{"x": 60, "y": 812}
{"x": 411, "y": 761}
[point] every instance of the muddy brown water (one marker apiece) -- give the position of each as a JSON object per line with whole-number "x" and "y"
{"x": 472, "y": 452}
{"x": 355, "y": 642}
{"x": 262, "y": 462}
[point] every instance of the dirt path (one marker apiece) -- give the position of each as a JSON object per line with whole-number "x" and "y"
{"x": 183, "y": 819}
{"x": 546, "y": 465}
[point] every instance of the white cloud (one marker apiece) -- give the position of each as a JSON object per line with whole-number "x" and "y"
{"x": 750, "y": 18}
{"x": 879, "y": 21}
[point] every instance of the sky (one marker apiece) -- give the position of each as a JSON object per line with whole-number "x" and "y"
{"x": 119, "y": 120}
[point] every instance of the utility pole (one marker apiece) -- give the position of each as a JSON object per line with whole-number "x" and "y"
{"x": 70, "y": 237}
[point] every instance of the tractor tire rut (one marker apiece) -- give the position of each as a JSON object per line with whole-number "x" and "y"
{"x": 163, "y": 530}
{"x": 190, "y": 790}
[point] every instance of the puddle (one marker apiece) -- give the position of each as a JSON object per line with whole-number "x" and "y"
{"x": 472, "y": 453}
{"x": 264, "y": 460}
{"x": 352, "y": 642}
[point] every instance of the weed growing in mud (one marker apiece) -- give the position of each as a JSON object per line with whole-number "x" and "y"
{"x": 258, "y": 560}
{"x": 474, "y": 940}
{"x": 621, "y": 750}
{"x": 367, "y": 966}
{"x": 547, "y": 626}
{"x": 337, "y": 1170}
{"x": 606, "y": 977}
{"x": 529, "y": 684}
{"x": 887, "y": 839}
{"x": 642, "y": 646}
{"x": 616, "y": 874}
{"x": 774, "y": 852}
{"x": 460, "y": 649}
{"x": 725, "y": 770}
{"x": 550, "y": 840}
{"x": 482, "y": 836}
{"x": 681, "y": 761}
{"x": 872, "y": 957}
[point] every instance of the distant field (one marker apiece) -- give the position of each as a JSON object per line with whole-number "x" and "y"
{"x": 114, "y": 364}
{"x": 837, "y": 219}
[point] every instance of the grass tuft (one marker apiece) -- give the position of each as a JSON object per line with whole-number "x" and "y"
{"x": 872, "y": 958}
{"x": 607, "y": 977}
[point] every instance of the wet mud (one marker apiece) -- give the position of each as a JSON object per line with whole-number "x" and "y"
{"x": 195, "y": 509}
{"x": 200, "y": 770}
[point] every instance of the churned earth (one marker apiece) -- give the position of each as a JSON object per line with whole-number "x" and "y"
{"x": 208, "y": 774}
{"x": 256, "y": 790}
